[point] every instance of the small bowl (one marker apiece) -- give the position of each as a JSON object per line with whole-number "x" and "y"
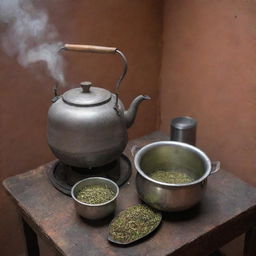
{"x": 95, "y": 211}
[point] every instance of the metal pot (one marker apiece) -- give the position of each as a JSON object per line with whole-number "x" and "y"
{"x": 87, "y": 126}
{"x": 171, "y": 155}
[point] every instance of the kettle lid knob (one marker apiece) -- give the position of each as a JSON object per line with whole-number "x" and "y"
{"x": 86, "y": 86}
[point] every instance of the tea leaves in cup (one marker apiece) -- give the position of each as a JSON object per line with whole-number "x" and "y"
{"x": 95, "y": 194}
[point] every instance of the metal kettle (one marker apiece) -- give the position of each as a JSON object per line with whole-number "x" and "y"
{"x": 87, "y": 126}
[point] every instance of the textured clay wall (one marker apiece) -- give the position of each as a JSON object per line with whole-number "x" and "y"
{"x": 208, "y": 72}
{"x": 133, "y": 26}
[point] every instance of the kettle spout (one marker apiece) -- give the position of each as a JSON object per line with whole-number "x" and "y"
{"x": 130, "y": 114}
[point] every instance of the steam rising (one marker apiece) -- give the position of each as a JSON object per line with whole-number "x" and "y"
{"x": 29, "y": 37}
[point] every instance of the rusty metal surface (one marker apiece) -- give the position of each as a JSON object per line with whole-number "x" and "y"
{"x": 227, "y": 210}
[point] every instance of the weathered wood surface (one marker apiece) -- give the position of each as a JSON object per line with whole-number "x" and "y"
{"x": 227, "y": 210}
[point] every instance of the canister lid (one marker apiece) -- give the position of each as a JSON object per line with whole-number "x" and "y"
{"x": 183, "y": 122}
{"x": 86, "y": 95}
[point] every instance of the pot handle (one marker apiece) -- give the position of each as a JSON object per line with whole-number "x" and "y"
{"x": 135, "y": 149}
{"x": 99, "y": 49}
{"x": 215, "y": 167}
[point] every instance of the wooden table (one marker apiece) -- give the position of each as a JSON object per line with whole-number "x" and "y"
{"x": 227, "y": 210}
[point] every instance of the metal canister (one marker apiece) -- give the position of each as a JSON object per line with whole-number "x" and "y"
{"x": 183, "y": 129}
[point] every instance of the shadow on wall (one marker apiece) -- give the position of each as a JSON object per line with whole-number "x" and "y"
{"x": 133, "y": 26}
{"x": 208, "y": 72}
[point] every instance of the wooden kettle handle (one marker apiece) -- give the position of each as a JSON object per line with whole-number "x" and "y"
{"x": 89, "y": 48}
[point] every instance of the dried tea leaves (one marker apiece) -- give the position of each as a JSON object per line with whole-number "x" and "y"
{"x": 95, "y": 194}
{"x": 172, "y": 176}
{"x": 133, "y": 223}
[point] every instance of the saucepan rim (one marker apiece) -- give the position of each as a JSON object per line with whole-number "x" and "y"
{"x": 189, "y": 147}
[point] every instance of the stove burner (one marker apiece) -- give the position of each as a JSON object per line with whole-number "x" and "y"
{"x": 63, "y": 177}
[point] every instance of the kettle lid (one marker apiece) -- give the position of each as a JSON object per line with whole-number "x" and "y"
{"x": 86, "y": 95}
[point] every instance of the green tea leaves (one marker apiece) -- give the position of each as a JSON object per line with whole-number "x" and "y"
{"x": 95, "y": 194}
{"x": 133, "y": 223}
{"x": 172, "y": 176}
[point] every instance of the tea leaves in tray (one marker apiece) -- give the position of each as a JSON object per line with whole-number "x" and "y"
{"x": 133, "y": 224}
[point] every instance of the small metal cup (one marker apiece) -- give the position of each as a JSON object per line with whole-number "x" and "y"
{"x": 95, "y": 211}
{"x": 183, "y": 129}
